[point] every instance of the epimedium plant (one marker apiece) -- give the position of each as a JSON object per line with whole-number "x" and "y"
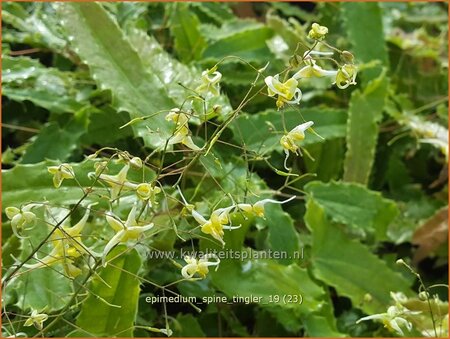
{"x": 179, "y": 157}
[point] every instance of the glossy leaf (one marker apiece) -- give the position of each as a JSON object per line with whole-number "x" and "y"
{"x": 116, "y": 66}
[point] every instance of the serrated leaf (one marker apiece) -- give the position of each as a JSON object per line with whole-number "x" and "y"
{"x": 116, "y": 66}
{"x": 349, "y": 266}
{"x": 257, "y": 132}
{"x": 220, "y": 12}
{"x": 248, "y": 44}
{"x": 354, "y": 205}
{"x": 363, "y": 21}
{"x": 118, "y": 285}
{"x": 185, "y": 28}
{"x": 364, "y": 114}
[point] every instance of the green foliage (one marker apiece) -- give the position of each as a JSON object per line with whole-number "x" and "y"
{"x": 364, "y": 115}
{"x": 117, "y": 288}
{"x": 348, "y": 265}
{"x": 364, "y": 211}
{"x": 174, "y": 99}
{"x": 116, "y": 66}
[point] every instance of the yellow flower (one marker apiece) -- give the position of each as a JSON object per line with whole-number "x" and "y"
{"x": 199, "y": 266}
{"x": 258, "y": 207}
{"x": 346, "y": 76}
{"x": 312, "y": 69}
{"x": 182, "y": 132}
{"x": 117, "y": 182}
{"x": 146, "y": 191}
{"x": 317, "y": 32}
{"x": 67, "y": 246}
{"x": 210, "y": 82}
{"x": 287, "y": 91}
{"x": 125, "y": 231}
{"x": 36, "y": 319}
{"x": 216, "y": 223}
{"x": 393, "y": 319}
{"x": 297, "y": 134}
{"x": 61, "y": 172}
{"x": 20, "y": 217}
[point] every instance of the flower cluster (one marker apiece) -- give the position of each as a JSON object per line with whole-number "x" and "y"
{"x": 220, "y": 218}
{"x": 287, "y": 91}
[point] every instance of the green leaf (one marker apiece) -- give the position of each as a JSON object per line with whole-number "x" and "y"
{"x": 328, "y": 159}
{"x": 115, "y": 65}
{"x": 173, "y": 74}
{"x": 364, "y": 114}
{"x": 266, "y": 279}
{"x": 56, "y": 143}
{"x": 39, "y": 28}
{"x": 188, "y": 326}
{"x": 248, "y": 44}
{"x": 42, "y": 289}
{"x": 318, "y": 326}
{"x": 184, "y": 27}
{"x": 365, "y": 31}
{"x": 27, "y": 79}
{"x": 354, "y": 205}
{"x": 349, "y": 266}
{"x": 220, "y": 12}
{"x": 116, "y": 285}
{"x": 282, "y": 234}
{"x": 261, "y": 132}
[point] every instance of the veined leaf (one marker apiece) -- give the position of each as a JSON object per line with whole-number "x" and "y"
{"x": 364, "y": 113}
{"x": 349, "y": 266}
{"x": 185, "y": 27}
{"x": 354, "y": 205}
{"x": 116, "y": 66}
{"x": 118, "y": 287}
